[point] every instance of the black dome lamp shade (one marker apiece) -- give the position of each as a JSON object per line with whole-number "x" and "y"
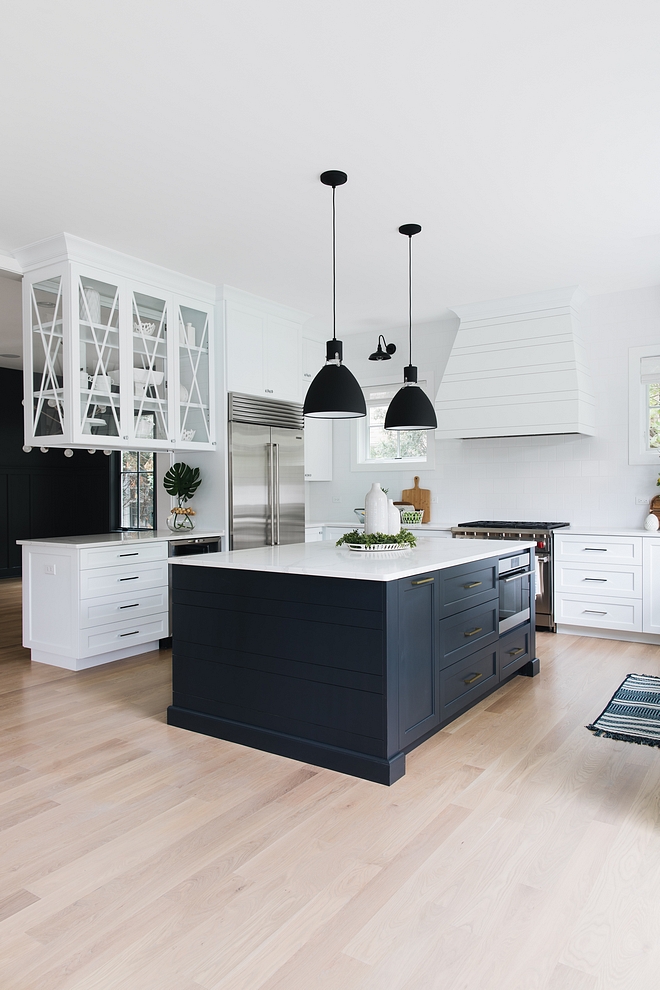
{"x": 383, "y": 353}
{"x": 411, "y": 408}
{"x": 335, "y": 392}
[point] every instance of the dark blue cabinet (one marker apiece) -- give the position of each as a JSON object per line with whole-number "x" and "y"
{"x": 418, "y": 667}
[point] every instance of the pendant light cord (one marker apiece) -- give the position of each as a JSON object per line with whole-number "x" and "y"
{"x": 410, "y": 298}
{"x": 334, "y": 265}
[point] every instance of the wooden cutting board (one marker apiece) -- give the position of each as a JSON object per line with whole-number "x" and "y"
{"x": 420, "y": 498}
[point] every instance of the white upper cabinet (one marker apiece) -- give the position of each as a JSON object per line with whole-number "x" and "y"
{"x": 318, "y": 432}
{"x": 264, "y": 347}
{"x": 118, "y": 352}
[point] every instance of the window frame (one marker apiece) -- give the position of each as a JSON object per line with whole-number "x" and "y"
{"x": 360, "y": 433}
{"x": 639, "y": 451}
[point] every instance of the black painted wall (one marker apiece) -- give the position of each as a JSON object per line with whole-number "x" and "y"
{"x": 44, "y": 494}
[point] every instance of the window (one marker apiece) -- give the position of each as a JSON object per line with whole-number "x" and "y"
{"x": 137, "y": 503}
{"x": 373, "y": 445}
{"x": 644, "y": 405}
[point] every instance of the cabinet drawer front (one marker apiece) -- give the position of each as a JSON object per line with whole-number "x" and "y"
{"x": 599, "y": 613}
{"x": 100, "y": 581}
{"x": 117, "y": 636}
{"x": 115, "y": 608}
{"x": 464, "y": 682}
{"x": 468, "y": 631}
{"x": 599, "y": 550}
{"x": 514, "y": 650}
{"x": 463, "y": 587}
{"x": 622, "y": 582}
{"x": 124, "y": 555}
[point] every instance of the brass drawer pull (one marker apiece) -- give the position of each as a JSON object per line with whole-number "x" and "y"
{"x": 472, "y": 678}
{"x": 473, "y": 632}
{"x": 473, "y": 584}
{"x": 514, "y": 653}
{"x": 424, "y": 581}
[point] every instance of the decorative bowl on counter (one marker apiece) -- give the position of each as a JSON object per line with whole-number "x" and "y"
{"x": 360, "y": 514}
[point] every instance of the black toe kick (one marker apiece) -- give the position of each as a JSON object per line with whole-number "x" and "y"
{"x": 381, "y": 771}
{"x": 531, "y": 668}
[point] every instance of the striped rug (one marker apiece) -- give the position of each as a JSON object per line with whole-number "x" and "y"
{"x": 633, "y": 714}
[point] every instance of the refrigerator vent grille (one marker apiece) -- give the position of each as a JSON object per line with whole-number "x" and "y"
{"x": 265, "y": 412}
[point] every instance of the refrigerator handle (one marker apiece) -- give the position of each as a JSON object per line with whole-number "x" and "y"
{"x": 271, "y": 491}
{"x": 276, "y": 490}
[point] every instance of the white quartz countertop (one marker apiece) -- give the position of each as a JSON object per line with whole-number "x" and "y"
{"x": 324, "y": 559}
{"x": 605, "y": 531}
{"x": 435, "y": 527}
{"x": 121, "y": 539}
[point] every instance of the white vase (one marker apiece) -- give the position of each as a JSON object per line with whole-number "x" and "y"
{"x": 394, "y": 518}
{"x": 376, "y": 510}
{"x": 651, "y": 523}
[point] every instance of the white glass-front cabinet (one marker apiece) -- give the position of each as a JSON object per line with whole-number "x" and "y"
{"x": 113, "y": 362}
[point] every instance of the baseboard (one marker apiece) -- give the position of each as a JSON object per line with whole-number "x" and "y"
{"x": 84, "y": 663}
{"x": 622, "y": 635}
{"x": 381, "y": 771}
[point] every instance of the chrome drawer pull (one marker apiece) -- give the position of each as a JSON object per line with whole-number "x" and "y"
{"x": 135, "y": 578}
{"x": 137, "y": 605}
{"x": 473, "y": 584}
{"x": 593, "y": 611}
{"x": 596, "y": 549}
{"x": 424, "y": 581}
{"x": 514, "y": 653}
{"x": 473, "y": 632}
{"x": 472, "y": 678}
{"x": 600, "y": 580}
{"x": 134, "y": 633}
{"x": 136, "y": 553}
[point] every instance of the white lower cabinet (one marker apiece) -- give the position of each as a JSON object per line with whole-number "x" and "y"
{"x": 86, "y": 606}
{"x": 608, "y": 582}
{"x": 651, "y": 595}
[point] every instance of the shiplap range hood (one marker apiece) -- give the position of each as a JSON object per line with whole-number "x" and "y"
{"x": 517, "y": 368}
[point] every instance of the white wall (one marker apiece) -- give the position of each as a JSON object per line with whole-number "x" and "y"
{"x": 582, "y": 480}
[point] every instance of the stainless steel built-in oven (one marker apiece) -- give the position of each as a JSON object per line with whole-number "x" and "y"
{"x": 516, "y": 587}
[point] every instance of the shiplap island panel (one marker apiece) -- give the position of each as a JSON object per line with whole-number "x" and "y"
{"x": 340, "y": 659}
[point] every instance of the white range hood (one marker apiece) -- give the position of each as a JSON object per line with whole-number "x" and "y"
{"x": 517, "y": 368}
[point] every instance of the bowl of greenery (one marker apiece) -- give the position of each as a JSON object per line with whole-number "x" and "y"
{"x": 378, "y": 542}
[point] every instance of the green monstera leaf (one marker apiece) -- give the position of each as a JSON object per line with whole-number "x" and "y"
{"x": 182, "y": 481}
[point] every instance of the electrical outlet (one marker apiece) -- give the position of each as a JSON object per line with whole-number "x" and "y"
{"x": 336, "y": 498}
{"x": 49, "y": 568}
{"x": 641, "y": 500}
{"x": 434, "y": 499}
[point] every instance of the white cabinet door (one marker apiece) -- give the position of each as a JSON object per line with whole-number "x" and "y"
{"x": 313, "y": 358}
{"x": 651, "y": 587}
{"x": 318, "y": 449}
{"x": 282, "y": 360}
{"x": 245, "y": 358}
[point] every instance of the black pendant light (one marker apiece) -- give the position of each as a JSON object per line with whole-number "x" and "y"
{"x": 411, "y": 408}
{"x": 383, "y": 353}
{"x": 335, "y": 392}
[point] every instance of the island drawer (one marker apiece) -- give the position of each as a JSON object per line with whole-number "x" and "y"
{"x": 464, "y": 682}
{"x": 126, "y": 554}
{"x": 98, "y": 581}
{"x": 467, "y": 585}
{"x": 514, "y": 650}
{"x": 464, "y": 633}
{"x": 113, "y": 608}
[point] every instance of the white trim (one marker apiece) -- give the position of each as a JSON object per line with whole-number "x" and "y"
{"x": 638, "y": 450}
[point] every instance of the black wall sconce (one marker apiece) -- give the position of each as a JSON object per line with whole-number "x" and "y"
{"x": 383, "y": 354}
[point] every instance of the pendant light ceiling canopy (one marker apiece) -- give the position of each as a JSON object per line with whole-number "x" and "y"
{"x": 335, "y": 392}
{"x": 411, "y": 408}
{"x": 383, "y": 353}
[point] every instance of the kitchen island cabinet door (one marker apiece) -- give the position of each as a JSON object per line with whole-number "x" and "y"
{"x": 419, "y": 695}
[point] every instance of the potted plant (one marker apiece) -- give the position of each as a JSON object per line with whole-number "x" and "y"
{"x": 181, "y": 482}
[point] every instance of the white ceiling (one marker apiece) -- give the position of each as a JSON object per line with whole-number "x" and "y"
{"x": 523, "y": 135}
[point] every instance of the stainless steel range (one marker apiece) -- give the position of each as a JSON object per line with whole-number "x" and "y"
{"x": 543, "y": 534}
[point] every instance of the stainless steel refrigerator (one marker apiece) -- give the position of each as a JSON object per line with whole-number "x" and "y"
{"x": 266, "y": 472}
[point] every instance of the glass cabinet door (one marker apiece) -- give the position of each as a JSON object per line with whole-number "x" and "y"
{"x": 98, "y": 353}
{"x": 149, "y": 367}
{"x": 193, "y": 357}
{"x": 47, "y": 357}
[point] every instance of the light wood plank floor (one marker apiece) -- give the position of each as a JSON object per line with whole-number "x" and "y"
{"x": 519, "y": 851}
